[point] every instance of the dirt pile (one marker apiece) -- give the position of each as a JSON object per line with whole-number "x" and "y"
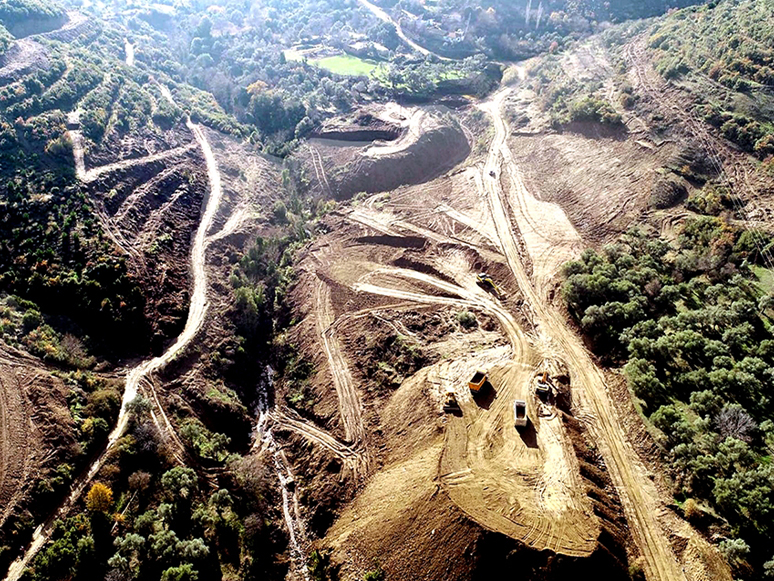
{"x": 428, "y": 147}
{"x": 404, "y": 521}
{"x": 364, "y": 127}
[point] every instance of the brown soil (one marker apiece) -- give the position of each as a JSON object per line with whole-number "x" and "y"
{"x": 363, "y": 127}
{"x": 431, "y": 145}
{"x": 570, "y": 490}
{"x": 37, "y": 434}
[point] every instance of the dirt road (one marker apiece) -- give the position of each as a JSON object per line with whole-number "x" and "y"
{"x": 349, "y": 456}
{"x": 638, "y": 494}
{"x": 349, "y": 400}
{"x": 93, "y": 174}
{"x": 382, "y": 15}
{"x": 196, "y": 314}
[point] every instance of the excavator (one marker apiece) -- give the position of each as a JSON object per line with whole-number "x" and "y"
{"x": 486, "y": 282}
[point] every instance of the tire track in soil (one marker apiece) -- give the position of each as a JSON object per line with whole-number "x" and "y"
{"x": 638, "y": 494}
{"x": 350, "y": 406}
{"x": 15, "y": 428}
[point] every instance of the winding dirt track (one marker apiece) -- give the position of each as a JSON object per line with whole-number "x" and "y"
{"x": 314, "y": 434}
{"x": 196, "y": 313}
{"x": 383, "y": 16}
{"x": 638, "y": 493}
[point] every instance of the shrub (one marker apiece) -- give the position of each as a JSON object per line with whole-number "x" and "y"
{"x": 636, "y": 570}
{"x": 594, "y": 110}
{"x": 691, "y": 510}
{"x": 99, "y": 498}
{"x": 467, "y": 319}
{"x": 375, "y": 575}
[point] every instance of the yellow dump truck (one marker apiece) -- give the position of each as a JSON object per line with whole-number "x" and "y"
{"x": 476, "y": 384}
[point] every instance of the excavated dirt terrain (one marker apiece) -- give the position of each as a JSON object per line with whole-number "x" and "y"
{"x": 36, "y": 433}
{"x": 150, "y": 211}
{"x": 397, "y": 287}
{"x": 431, "y": 142}
{"x": 576, "y": 490}
{"x": 390, "y": 315}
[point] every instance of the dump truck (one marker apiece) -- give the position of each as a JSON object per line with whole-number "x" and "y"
{"x": 476, "y": 384}
{"x": 520, "y": 413}
{"x": 487, "y": 283}
{"x": 543, "y": 384}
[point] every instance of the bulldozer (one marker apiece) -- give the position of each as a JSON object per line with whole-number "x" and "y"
{"x": 451, "y": 405}
{"x": 486, "y": 282}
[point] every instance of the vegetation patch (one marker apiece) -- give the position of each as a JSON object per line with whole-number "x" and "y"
{"x": 692, "y": 327}
{"x": 725, "y": 44}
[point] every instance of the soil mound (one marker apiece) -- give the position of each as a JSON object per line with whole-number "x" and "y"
{"x": 434, "y": 152}
{"x": 365, "y": 127}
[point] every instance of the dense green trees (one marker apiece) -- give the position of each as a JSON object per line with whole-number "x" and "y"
{"x": 688, "y": 323}
{"x": 23, "y": 17}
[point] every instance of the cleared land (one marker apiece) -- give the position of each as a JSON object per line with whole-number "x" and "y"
{"x": 424, "y": 245}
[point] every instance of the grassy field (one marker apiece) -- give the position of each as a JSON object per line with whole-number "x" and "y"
{"x": 349, "y": 65}
{"x": 342, "y": 64}
{"x": 765, "y": 278}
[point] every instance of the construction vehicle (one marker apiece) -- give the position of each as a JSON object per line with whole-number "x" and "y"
{"x": 520, "y": 413}
{"x": 476, "y": 384}
{"x": 451, "y": 405}
{"x": 487, "y": 283}
{"x": 543, "y": 384}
